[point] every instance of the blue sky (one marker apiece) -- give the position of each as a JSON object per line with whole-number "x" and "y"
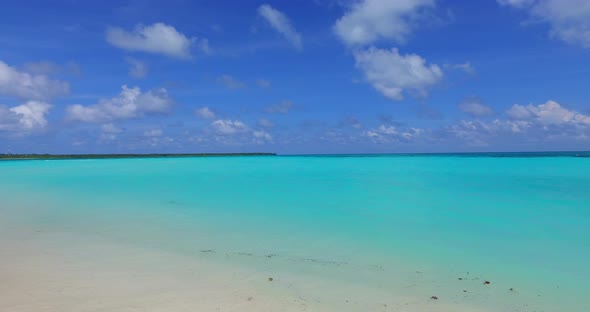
{"x": 323, "y": 76}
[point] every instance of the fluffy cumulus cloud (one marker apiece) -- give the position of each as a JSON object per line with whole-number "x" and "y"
{"x": 130, "y": 103}
{"x": 157, "y": 38}
{"x": 28, "y": 86}
{"x": 24, "y": 118}
{"x": 474, "y": 107}
{"x": 228, "y": 126}
{"x": 524, "y": 126}
{"x": 569, "y": 19}
{"x": 392, "y": 73}
{"x": 368, "y": 21}
{"x": 526, "y": 123}
{"x": 281, "y": 24}
{"x": 205, "y": 113}
{"x": 550, "y": 113}
{"x": 236, "y": 132}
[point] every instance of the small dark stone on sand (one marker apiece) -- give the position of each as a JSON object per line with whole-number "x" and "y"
{"x": 434, "y": 298}
{"x": 464, "y": 290}
{"x": 270, "y": 279}
{"x": 511, "y": 289}
{"x": 460, "y": 278}
{"x": 486, "y": 283}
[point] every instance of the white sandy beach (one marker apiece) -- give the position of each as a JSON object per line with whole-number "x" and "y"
{"x": 49, "y": 272}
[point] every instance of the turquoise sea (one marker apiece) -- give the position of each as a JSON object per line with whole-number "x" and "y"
{"x": 413, "y": 226}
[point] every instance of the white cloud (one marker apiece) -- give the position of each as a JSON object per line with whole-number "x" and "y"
{"x": 550, "y": 113}
{"x": 130, "y": 103}
{"x": 157, "y": 38}
{"x": 368, "y": 21}
{"x": 29, "y": 86}
{"x": 228, "y": 126}
{"x": 24, "y": 118}
{"x": 530, "y": 123}
{"x": 281, "y": 108}
{"x": 231, "y": 82}
{"x": 32, "y": 114}
{"x": 280, "y": 23}
{"x": 387, "y": 129}
{"x": 137, "y": 68}
{"x": 392, "y": 74}
{"x": 475, "y": 108}
{"x": 229, "y": 131}
{"x": 569, "y": 19}
{"x": 388, "y": 134}
{"x": 205, "y": 113}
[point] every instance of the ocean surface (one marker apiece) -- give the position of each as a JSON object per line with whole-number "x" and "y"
{"x": 408, "y": 226}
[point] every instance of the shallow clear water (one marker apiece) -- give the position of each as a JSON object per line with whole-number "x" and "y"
{"x": 519, "y": 222}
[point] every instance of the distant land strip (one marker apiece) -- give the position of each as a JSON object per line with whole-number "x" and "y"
{"x": 109, "y": 156}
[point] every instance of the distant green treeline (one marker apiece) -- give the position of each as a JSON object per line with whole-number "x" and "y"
{"x": 101, "y": 156}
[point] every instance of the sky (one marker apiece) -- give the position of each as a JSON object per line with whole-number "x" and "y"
{"x": 294, "y": 77}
